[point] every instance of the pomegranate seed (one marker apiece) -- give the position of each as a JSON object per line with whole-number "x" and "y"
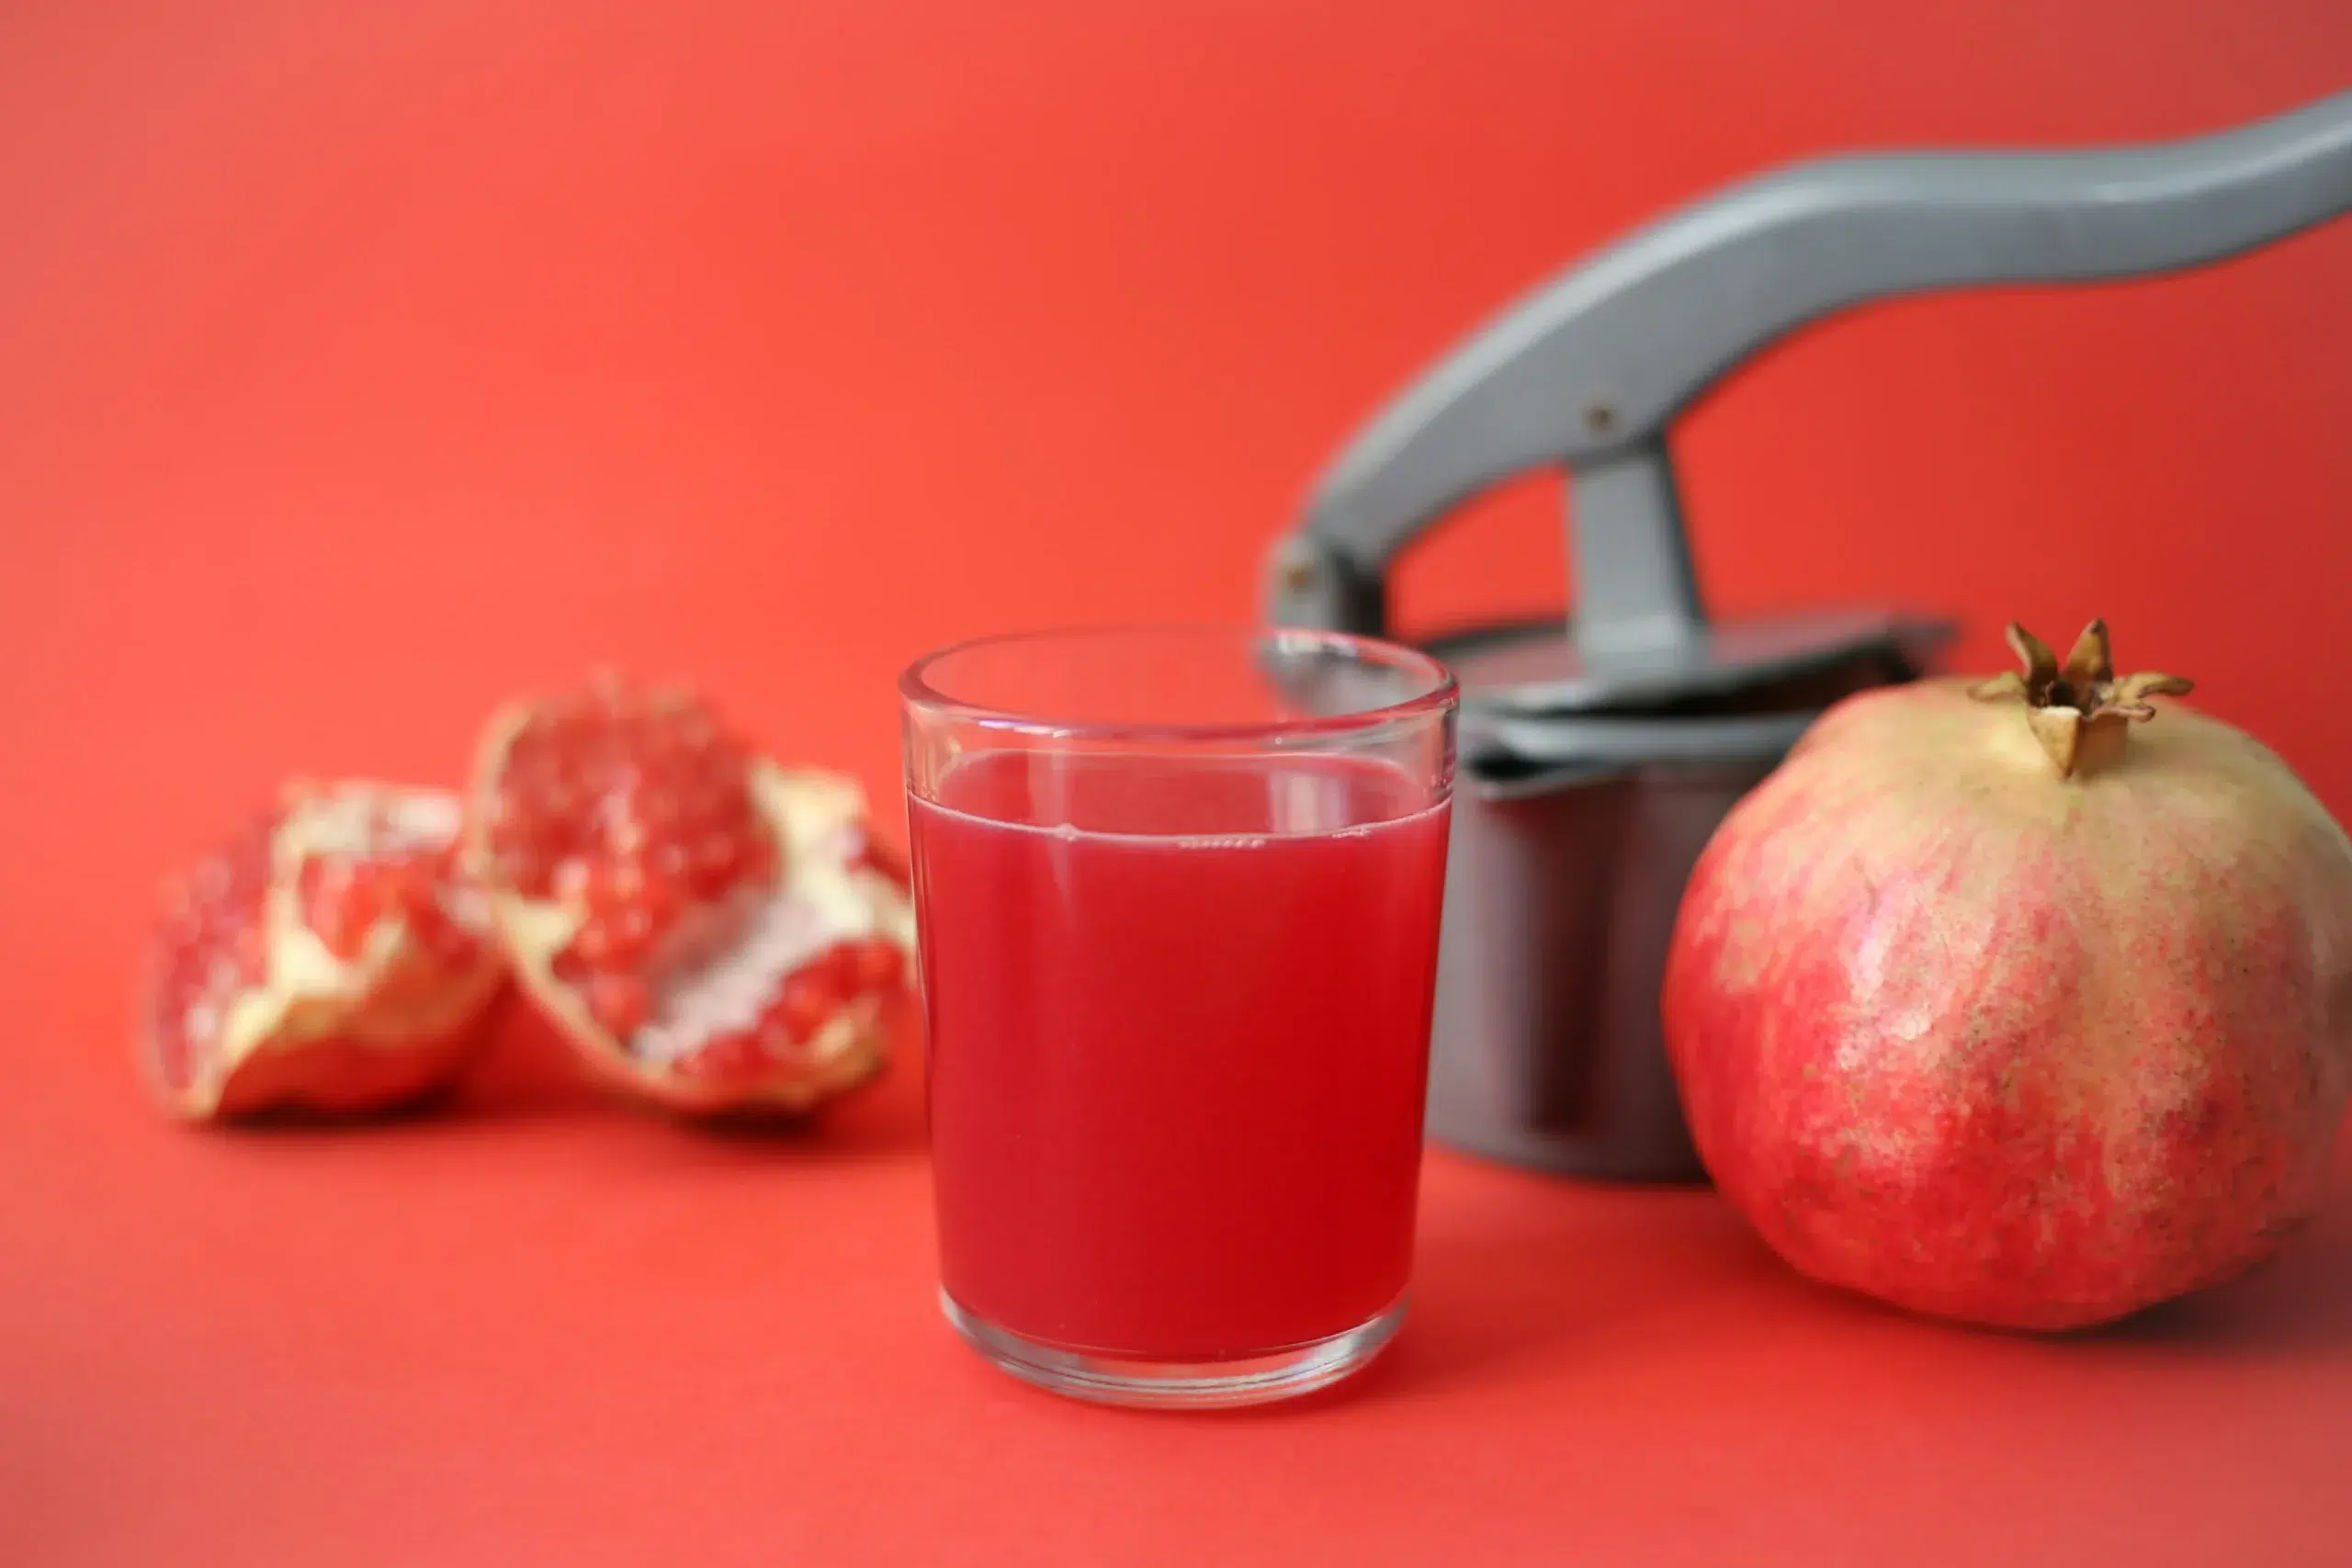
{"x": 806, "y": 1003}
{"x": 591, "y": 944}
{"x": 876, "y": 964}
{"x": 776, "y": 1039}
{"x": 656, "y": 899}
{"x": 251, "y": 952}
{"x": 410, "y": 884}
{"x": 881, "y": 860}
{"x": 569, "y": 881}
{"x": 836, "y": 966}
{"x": 594, "y": 888}
{"x": 623, "y": 883}
{"x": 715, "y": 859}
{"x": 614, "y": 940}
{"x": 621, "y": 1002}
{"x": 653, "y": 816}
{"x": 443, "y": 937}
{"x": 730, "y": 1055}
{"x": 336, "y": 904}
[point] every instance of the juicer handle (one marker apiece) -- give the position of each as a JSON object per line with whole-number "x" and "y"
{"x": 1591, "y": 370}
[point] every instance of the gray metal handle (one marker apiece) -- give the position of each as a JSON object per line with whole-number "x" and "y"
{"x": 1624, "y": 742}
{"x": 1591, "y": 370}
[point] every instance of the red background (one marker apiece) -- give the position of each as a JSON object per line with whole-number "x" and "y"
{"x": 361, "y": 364}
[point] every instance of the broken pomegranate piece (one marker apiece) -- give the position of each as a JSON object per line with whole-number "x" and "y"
{"x": 327, "y": 958}
{"x": 706, "y": 928}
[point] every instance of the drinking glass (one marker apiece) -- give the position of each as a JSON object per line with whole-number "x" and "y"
{"x": 1178, "y": 893}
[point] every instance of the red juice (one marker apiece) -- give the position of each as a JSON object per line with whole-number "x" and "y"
{"x": 1177, "y": 1045}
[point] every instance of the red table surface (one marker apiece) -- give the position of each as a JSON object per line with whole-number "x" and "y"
{"x": 359, "y": 365}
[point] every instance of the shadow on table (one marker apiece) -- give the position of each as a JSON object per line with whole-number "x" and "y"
{"x": 1549, "y": 1271}
{"x": 1559, "y": 1273}
{"x": 2298, "y": 1303}
{"x": 1506, "y": 1288}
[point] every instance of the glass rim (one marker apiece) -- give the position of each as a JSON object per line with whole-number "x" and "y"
{"x": 916, "y": 689}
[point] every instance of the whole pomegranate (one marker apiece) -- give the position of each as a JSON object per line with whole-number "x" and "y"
{"x": 1992, "y": 1005}
{"x": 327, "y": 957}
{"x": 708, "y": 928}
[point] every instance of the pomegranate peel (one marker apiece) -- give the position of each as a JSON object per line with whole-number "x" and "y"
{"x": 326, "y": 958}
{"x": 1994, "y": 1005}
{"x": 709, "y": 929}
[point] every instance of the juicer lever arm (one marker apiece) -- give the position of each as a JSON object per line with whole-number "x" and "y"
{"x": 1589, "y": 371}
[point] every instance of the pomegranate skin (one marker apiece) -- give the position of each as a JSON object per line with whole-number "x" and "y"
{"x": 2007, "y": 1048}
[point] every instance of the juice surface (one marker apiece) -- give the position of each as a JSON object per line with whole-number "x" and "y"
{"x": 1177, "y": 1043}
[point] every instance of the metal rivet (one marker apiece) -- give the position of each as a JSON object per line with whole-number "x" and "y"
{"x": 1600, "y": 418}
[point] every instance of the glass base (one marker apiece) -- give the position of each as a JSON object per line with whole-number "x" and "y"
{"x": 1109, "y": 1377}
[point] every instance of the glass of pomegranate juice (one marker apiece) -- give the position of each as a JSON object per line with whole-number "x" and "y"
{"x": 1178, "y": 895}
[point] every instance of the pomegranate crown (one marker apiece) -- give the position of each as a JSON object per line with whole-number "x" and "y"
{"x": 2081, "y": 701}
